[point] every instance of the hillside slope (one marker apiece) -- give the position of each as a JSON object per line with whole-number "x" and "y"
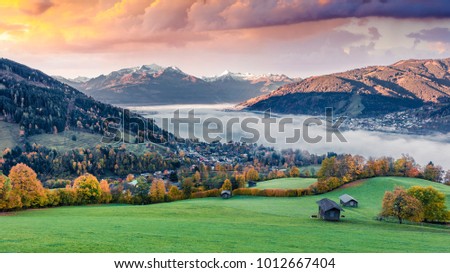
{"x": 363, "y": 92}
{"x": 40, "y": 104}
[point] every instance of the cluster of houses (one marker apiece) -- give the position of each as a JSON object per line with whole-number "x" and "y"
{"x": 331, "y": 211}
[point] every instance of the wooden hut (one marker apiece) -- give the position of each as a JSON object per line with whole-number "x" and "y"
{"x": 329, "y": 210}
{"x": 348, "y": 201}
{"x": 225, "y": 194}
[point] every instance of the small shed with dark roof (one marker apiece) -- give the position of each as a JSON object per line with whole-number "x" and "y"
{"x": 348, "y": 201}
{"x": 329, "y": 210}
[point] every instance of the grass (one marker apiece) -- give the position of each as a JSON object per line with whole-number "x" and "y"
{"x": 63, "y": 142}
{"x": 9, "y": 134}
{"x": 240, "y": 224}
{"x": 286, "y": 183}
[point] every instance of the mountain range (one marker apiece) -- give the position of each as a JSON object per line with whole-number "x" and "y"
{"x": 363, "y": 92}
{"x": 39, "y": 103}
{"x": 157, "y": 85}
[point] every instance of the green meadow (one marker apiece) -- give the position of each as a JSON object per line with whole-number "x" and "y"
{"x": 286, "y": 183}
{"x": 239, "y": 224}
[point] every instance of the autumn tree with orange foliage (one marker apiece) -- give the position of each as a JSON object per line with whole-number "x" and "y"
{"x": 88, "y": 189}
{"x": 5, "y": 191}
{"x": 401, "y": 205}
{"x": 294, "y": 172}
{"x": 27, "y": 187}
{"x": 406, "y": 166}
{"x": 106, "y": 195}
{"x": 130, "y": 177}
{"x": 157, "y": 191}
{"x": 8, "y": 200}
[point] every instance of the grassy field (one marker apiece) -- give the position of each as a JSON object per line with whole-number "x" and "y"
{"x": 63, "y": 141}
{"x": 240, "y": 224}
{"x": 286, "y": 183}
{"x": 9, "y": 134}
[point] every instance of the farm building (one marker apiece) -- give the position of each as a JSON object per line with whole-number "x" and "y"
{"x": 329, "y": 210}
{"x": 251, "y": 184}
{"x": 225, "y": 194}
{"x": 348, "y": 201}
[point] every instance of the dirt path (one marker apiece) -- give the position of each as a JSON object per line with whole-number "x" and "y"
{"x": 353, "y": 184}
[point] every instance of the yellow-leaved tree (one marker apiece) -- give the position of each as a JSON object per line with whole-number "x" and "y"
{"x": 27, "y": 187}
{"x": 88, "y": 189}
{"x": 252, "y": 174}
{"x": 433, "y": 203}
{"x": 157, "y": 191}
{"x": 227, "y": 186}
{"x": 240, "y": 179}
{"x": 174, "y": 194}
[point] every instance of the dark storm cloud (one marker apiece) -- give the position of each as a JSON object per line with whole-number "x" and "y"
{"x": 256, "y": 13}
{"x": 438, "y": 34}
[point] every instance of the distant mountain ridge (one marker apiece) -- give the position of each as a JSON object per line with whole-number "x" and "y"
{"x": 363, "y": 92}
{"x": 154, "y": 85}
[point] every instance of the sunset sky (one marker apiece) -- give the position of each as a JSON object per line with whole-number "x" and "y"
{"x": 204, "y": 37}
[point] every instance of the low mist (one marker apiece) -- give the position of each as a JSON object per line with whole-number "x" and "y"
{"x": 366, "y": 143}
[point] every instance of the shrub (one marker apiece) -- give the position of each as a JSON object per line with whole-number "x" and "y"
{"x": 126, "y": 197}
{"x": 53, "y": 198}
{"x": 246, "y": 191}
{"x": 292, "y": 193}
{"x": 304, "y": 192}
{"x": 204, "y": 194}
{"x": 67, "y": 196}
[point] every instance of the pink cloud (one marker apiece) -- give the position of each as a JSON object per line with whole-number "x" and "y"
{"x": 35, "y": 7}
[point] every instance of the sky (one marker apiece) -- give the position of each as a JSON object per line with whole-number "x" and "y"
{"x": 299, "y": 38}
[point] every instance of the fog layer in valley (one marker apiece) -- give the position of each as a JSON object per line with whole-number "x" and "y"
{"x": 366, "y": 143}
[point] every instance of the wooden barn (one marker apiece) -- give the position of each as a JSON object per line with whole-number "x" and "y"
{"x": 329, "y": 210}
{"x": 251, "y": 184}
{"x": 225, "y": 194}
{"x": 348, "y": 201}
